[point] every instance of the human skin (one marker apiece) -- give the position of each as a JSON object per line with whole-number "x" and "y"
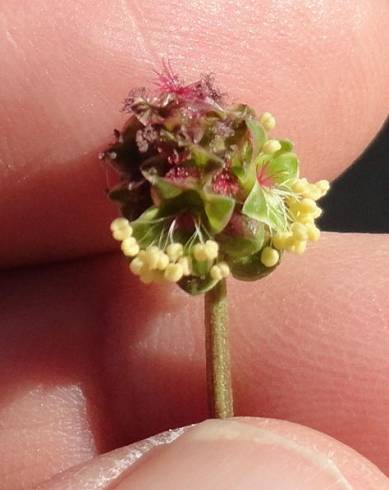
{"x": 90, "y": 360}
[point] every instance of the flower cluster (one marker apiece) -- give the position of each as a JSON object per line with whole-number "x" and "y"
{"x": 204, "y": 192}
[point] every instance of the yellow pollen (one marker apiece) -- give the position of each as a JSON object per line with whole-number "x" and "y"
{"x": 147, "y": 276}
{"x": 269, "y": 257}
{"x": 280, "y": 239}
{"x": 122, "y": 234}
{"x": 137, "y": 265}
{"x": 200, "y": 253}
{"x": 299, "y": 247}
{"x": 271, "y": 146}
{"x": 186, "y": 264}
{"x": 268, "y": 121}
{"x": 212, "y": 249}
{"x": 307, "y": 205}
{"x": 305, "y": 218}
{"x": 119, "y": 224}
{"x": 152, "y": 257}
{"x": 224, "y": 268}
{"x": 324, "y": 186}
{"x": 216, "y": 273}
{"x": 175, "y": 251}
{"x": 313, "y": 232}
{"x": 299, "y": 231}
{"x": 173, "y": 272}
{"x": 163, "y": 261}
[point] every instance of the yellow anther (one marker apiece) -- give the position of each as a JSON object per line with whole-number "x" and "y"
{"x": 147, "y": 276}
{"x": 268, "y": 121}
{"x": 158, "y": 277}
{"x": 163, "y": 261}
{"x": 317, "y": 213}
{"x": 137, "y": 266}
{"x": 142, "y": 255}
{"x": 186, "y": 264}
{"x": 269, "y": 257}
{"x": 131, "y": 249}
{"x": 299, "y": 247}
{"x": 128, "y": 244}
{"x": 175, "y": 251}
{"x": 307, "y": 205}
{"x": 324, "y": 186}
{"x": 122, "y": 234}
{"x": 280, "y": 239}
{"x": 216, "y": 273}
{"x": 290, "y": 243}
{"x": 173, "y": 272}
{"x": 224, "y": 268}
{"x": 299, "y": 231}
{"x": 152, "y": 256}
{"x": 271, "y": 146}
{"x": 200, "y": 253}
{"x": 305, "y": 218}
{"x": 299, "y": 186}
{"x": 312, "y": 192}
{"x": 128, "y": 241}
{"x": 293, "y": 204}
{"x": 313, "y": 232}
{"x": 212, "y": 249}
{"x": 120, "y": 224}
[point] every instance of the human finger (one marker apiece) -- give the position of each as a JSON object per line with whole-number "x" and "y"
{"x": 66, "y": 68}
{"x": 84, "y": 345}
{"x": 234, "y": 454}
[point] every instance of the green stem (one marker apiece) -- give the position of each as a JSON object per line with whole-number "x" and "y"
{"x": 220, "y": 399}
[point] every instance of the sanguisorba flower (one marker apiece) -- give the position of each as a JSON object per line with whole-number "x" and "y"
{"x": 204, "y": 191}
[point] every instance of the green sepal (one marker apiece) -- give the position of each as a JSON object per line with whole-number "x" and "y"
{"x": 250, "y": 268}
{"x": 286, "y": 146}
{"x": 147, "y": 228}
{"x": 266, "y": 207}
{"x": 257, "y": 135}
{"x": 196, "y": 285}
{"x": 165, "y": 189}
{"x": 189, "y": 200}
{"x": 201, "y": 268}
{"x": 218, "y": 210}
{"x": 202, "y": 157}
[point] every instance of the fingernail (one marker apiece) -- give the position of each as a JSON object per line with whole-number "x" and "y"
{"x": 108, "y": 469}
{"x": 234, "y": 455}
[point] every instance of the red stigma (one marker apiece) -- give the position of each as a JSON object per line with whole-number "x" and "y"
{"x": 179, "y": 173}
{"x": 168, "y": 81}
{"x": 225, "y": 183}
{"x": 263, "y": 178}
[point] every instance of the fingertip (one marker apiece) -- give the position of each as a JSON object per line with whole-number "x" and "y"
{"x": 240, "y": 454}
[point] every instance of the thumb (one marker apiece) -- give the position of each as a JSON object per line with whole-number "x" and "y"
{"x": 234, "y": 454}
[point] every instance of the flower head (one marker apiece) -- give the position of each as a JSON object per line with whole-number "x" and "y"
{"x": 204, "y": 192}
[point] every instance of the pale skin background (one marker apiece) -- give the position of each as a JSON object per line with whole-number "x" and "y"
{"x": 90, "y": 360}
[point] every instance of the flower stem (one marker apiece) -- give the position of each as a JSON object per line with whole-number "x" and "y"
{"x": 220, "y": 398}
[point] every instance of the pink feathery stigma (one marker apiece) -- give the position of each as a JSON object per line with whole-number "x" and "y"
{"x": 179, "y": 173}
{"x": 168, "y": 82}
{"x": 225, "y": 183}
{"x": 263, "y": 178}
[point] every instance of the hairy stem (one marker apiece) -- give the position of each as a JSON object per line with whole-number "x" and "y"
{"x": 220, "y": 398}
